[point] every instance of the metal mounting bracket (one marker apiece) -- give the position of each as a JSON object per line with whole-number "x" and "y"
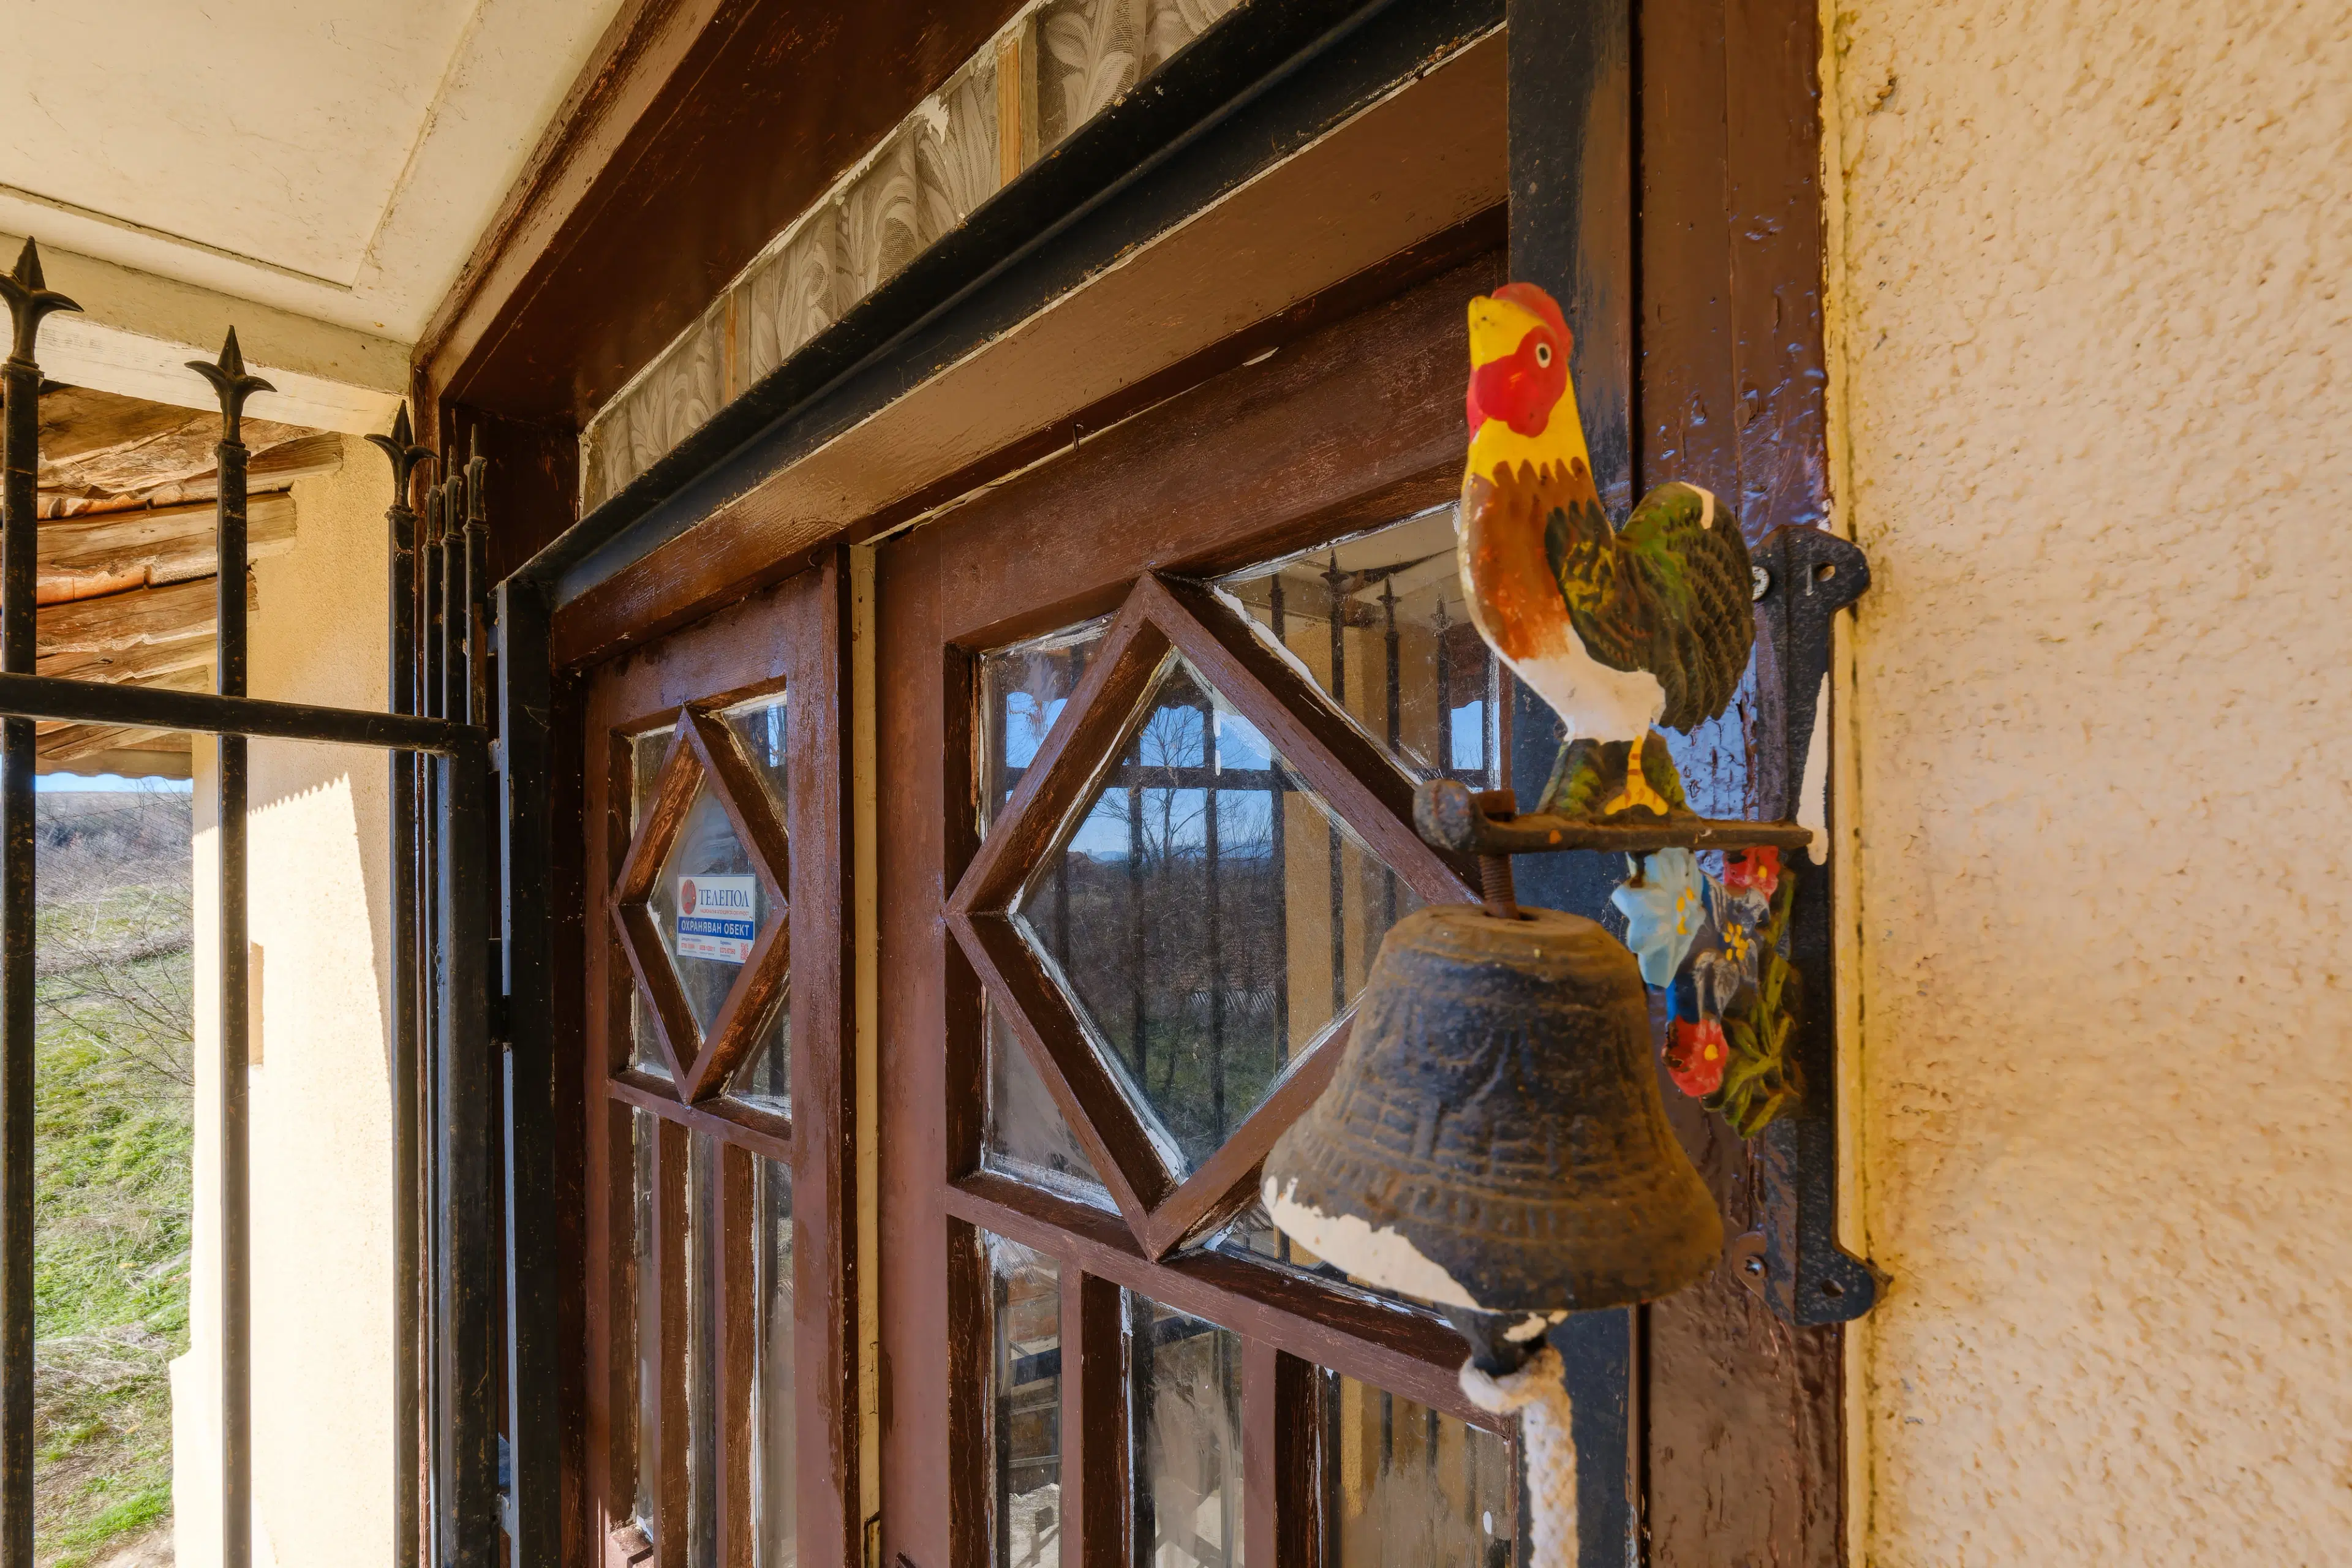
{"x": 1805, "y": 577}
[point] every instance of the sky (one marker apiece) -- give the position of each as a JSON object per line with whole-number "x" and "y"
{"x": 47, "y": 783}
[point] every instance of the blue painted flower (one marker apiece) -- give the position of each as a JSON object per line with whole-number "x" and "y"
{"x": 1662, "y": 913}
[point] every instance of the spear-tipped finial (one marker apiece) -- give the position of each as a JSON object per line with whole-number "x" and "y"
{"x": 405, "y": 455}
{"x": 230, "y": 384}
{"x": 477, "y": 465}
{"x": 30, "y": 300}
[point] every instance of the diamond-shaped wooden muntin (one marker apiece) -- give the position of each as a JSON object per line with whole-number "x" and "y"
{"x": 1357, "y": 782}
{"x": 704, "y": 750}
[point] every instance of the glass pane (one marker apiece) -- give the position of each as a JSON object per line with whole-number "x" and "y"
{"x": 1409, "y": 1487}
{"x": 1208, "y": 914}
{"x": 708, "y": 905}
{"x": 1026, "y": 1402}
{"x": 702, "y": 1347}
{"x": 1023, "y": 689}
{"x": 1186, "y": 1405}
{"x": 775, "y": 1523}
{"x": 759, "y": 726}
{"x": 645, "y": 1136}
{"x": 1027, "y": 1136}
{"x": 645, "y": 754}
{"x": 1379, "y": 622}
{"x": 765, "y": 1079}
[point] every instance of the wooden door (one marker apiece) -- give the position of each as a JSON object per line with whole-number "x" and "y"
{"x": 720, "y": 1396}
{"x": 1149, "y": 722}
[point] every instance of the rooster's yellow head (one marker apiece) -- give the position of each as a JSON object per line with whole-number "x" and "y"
{"x": 1521, "y": 407}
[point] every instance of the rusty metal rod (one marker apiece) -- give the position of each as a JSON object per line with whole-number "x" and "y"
{"x": 400, "y": 693}
{"x": 20, "y": 383}
{"x": 233, "y": 386}
{"x": 152, "y": 708}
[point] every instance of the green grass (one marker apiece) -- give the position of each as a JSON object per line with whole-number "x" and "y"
{"x": 112, "y": 1223}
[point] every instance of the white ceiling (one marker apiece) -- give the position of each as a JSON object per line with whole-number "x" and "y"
{"x": 335, "y": 158}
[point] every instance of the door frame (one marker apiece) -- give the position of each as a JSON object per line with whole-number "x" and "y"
{"x": 792, "y": 634}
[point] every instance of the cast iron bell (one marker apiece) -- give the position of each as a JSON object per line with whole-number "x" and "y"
{"x": 1494, "y": 1140}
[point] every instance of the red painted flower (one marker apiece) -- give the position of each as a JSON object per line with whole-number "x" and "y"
{"x": 1756, "y": 868}
{"x": 1696, "y": 1057}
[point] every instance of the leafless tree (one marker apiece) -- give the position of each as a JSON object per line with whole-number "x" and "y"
{"x": 115, "y": 885}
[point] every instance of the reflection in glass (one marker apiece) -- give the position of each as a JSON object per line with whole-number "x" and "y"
{"x": 758, "y": 726}
{"x": 645, "y": 754}
{"x": 1379, "y": 622}
{"x": 1026, "y": 1402}
{"x": 1026, "y": 1135}
{"x": 1023, "y": 689}
{"x": 645, "y": 1136}
{"x": 1408, "y": 1487}
{"x": 1208, "y": 913}
{"x": 1186, "y": 1405}
{"x": 708, "y": 883}
{"x": 775, "y": 1515}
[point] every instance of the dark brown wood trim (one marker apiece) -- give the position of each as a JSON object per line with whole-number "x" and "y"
{"x": 1282, "y": 1454}
{"x": 1731, "y": 377}
{"x": 1096, "y": 1460}
{"x": 1391, "y": 1347}
{"x": 1071, "y": 757}
{"x": 672, "y": 1260}
{"x": 965, "y": 1333}
{"x": 734, "y": 1292}
{"x": 764, "y": 1134}
{"x": 1089, "y": 1097}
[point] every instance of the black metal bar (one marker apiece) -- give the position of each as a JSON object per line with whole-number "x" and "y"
{"x": 1809, "y": 1278}
{"x": 456, "y": 673}
{"x": 431, "y": 699}
{"x": 233, "y": 386}
{"x": 466, "y": 1488}
{"x": 478, "y": 588}
{"x": 533, "y": 1270}
{"x": 150, "y": 707}
{"x": 400, "y": 696}
{"x": 28, "y": 302}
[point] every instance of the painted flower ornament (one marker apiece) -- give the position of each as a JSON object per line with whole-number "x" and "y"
{"x": 1664, "y": 908}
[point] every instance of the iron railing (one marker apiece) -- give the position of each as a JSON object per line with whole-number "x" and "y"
{"x": 444, "y": 873}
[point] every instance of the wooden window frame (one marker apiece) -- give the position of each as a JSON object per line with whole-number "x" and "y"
{"x": 1355, "y": 426}
{"x": 1164, "y": 616}
{"x": 789, "y": 639}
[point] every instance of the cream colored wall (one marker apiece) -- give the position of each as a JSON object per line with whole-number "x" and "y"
{"x": 2099, "y": 430}
{"x": 320, "y": 1146}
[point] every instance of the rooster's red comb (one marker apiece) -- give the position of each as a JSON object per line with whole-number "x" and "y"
{"x": 1534, "y": 300}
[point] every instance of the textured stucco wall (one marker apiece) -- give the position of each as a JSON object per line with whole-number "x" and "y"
{"x": 320, "y": 1128}
{"x": 2098, "y": 429}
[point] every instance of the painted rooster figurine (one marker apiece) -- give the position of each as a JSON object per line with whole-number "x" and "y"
{"x": 1618, "y": 629}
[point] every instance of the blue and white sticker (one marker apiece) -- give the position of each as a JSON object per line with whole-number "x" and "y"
{"x": 717, "y": 918}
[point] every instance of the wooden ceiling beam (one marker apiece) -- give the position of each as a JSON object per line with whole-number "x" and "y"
{"x": 194, "y": 651}
{"x": 141, "y": 618}
{"x": 156, "y": 546}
